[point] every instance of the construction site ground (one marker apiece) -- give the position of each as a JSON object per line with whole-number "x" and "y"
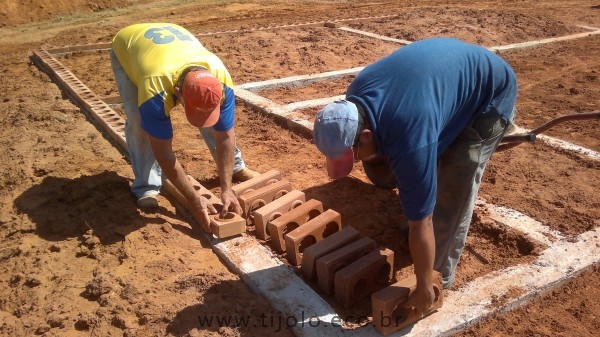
{"x": 79, "y": 259}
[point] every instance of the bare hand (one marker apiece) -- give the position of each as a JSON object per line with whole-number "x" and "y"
{"x": 421, "y": 300}
{"x": 230, "y": 203}
{"x": 201, "y": 210}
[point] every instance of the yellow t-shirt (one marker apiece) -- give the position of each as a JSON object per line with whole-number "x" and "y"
{"x": 153, "y": 56}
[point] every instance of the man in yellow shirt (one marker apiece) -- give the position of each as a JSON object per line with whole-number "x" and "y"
{"x": 156, "y": 66}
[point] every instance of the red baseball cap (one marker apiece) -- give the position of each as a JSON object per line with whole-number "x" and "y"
{"x": 202, "y": 93}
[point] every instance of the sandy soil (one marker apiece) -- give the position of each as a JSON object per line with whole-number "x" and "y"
{"x": 78, "y": 259}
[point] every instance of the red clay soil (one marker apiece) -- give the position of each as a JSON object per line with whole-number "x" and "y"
{"x": 78, "y": 259}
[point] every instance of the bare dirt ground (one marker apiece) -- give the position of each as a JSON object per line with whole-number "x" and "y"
{"x": 77, "y": 257}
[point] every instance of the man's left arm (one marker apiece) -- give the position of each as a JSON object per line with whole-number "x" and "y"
{"x": 417, "y": 176}
{"x": 225, "y": 158}
{"x": 421, "y": 241}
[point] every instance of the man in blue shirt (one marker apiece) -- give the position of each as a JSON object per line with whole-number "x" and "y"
{"x": 437, "y": 109}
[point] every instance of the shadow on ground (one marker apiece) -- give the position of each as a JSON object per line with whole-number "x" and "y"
{"x": 64, "y": 208}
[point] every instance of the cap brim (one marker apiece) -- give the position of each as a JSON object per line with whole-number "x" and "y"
{"x": 341, "y": 166}
{"x": 204, "y": 120}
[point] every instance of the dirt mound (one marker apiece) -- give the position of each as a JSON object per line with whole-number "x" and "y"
{"x": 15, "y": 12}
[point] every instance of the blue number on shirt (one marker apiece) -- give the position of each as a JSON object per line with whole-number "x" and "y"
{"x": 179, "y": 34}
{"x": 156, "y": 35}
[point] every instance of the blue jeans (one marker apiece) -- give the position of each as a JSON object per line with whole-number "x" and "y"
{"x": 460, "y": 172}
{"x": 147, "y": 172}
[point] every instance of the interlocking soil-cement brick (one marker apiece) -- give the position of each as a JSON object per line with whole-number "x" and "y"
{"x": 324, "y": 225}
{"x": 389, "y": 313}
{"x": 264, "y": 179}
{"x": 253, "y": 200}
{"x": 275, "y": 209}
{"x": 364, "y": 276}
{"x": 290, "y": 221}
{"x": 329, "y": 264}
{"x": 325, "y": 246}
{"x": 230, "y": 225}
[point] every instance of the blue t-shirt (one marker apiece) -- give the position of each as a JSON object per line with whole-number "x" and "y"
{"x": 420, "y": 98}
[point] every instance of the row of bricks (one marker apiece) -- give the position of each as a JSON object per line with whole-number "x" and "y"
{"x": 338, "y": 259}
{"x": 313, "y": 237}
{"x": 299, "y": 228}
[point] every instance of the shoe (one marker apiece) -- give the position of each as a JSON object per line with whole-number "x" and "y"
{"x": 245, "y": 174}
{"x": 147, "y": 202}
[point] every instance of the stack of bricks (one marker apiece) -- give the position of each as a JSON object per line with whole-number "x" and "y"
{"x": 336, "y": 258}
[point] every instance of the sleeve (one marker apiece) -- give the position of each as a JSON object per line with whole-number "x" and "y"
{"x": 416, "y": 175}
{"x": 226, "y": 119}
{"x": 154, "y": 119}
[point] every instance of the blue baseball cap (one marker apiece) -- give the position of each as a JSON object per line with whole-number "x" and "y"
{"x": 334, "y": 131}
